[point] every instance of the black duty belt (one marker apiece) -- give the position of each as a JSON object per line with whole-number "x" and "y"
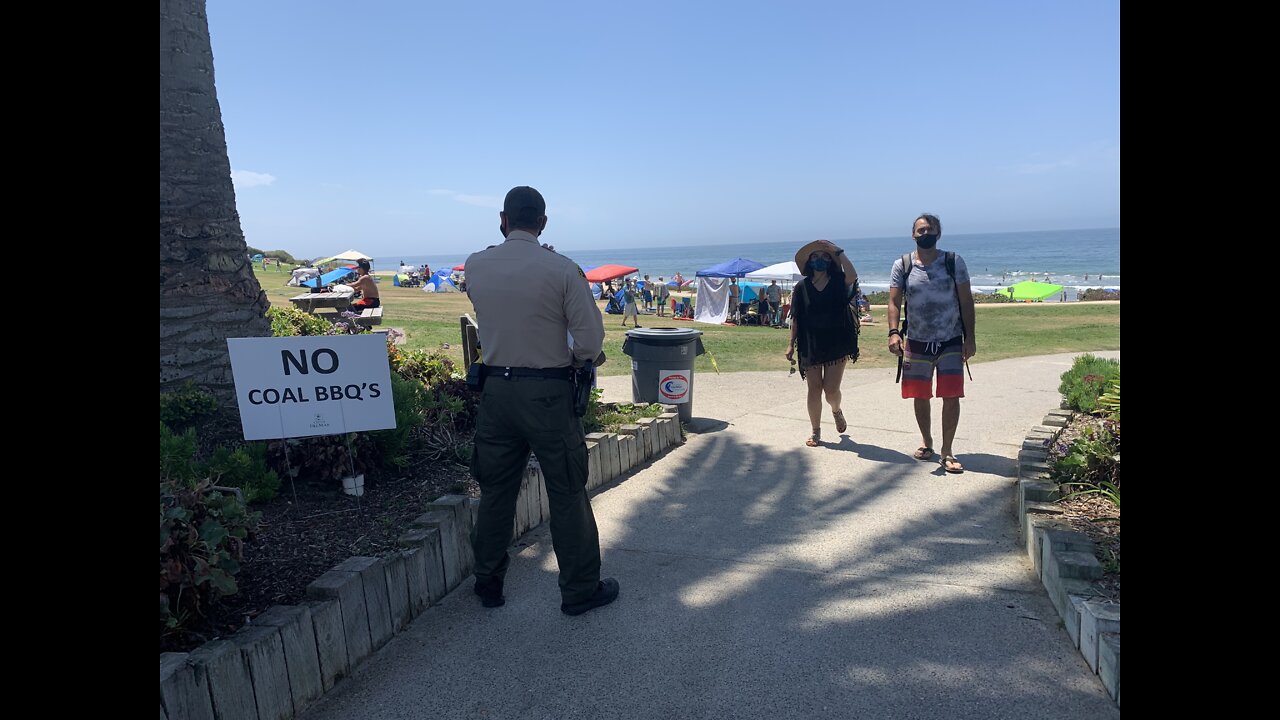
{"x": 563, "y": 373}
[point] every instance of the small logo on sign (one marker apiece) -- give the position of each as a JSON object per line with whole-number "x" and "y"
{"x": 319, "y": 422}
{"x": 673, "y": 387}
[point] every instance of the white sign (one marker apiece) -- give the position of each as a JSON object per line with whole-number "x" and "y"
{"x": 674, "y": 386}
{"x": 303, "y": 386}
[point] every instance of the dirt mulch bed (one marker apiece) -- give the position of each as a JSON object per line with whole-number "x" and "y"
{"x": 298, "y": 541}
{"x": 1093, "y": 515}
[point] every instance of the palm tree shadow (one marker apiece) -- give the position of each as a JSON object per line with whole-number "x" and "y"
{"x": 871, "y": 452}
{"x": 984, "y": 463}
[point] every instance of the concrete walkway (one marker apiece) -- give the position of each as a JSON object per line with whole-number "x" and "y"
{"x": 764, "y": 579}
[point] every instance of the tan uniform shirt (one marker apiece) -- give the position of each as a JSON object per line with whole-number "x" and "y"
{"x": 528, "y": 300}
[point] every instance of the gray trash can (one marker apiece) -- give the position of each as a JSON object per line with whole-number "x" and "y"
{"x": 662, "y": 366}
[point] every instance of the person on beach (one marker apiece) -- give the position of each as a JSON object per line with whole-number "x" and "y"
{"x": 773, "y": 294}
{"x": 367, "y": 288}
{"x": 529, "y": 300}
{"x": 735, "y": 300}
{"x": 823, "y": 333}
{"x": 663, "y": 296}
{"x": 647, "y": 294}
{"x": 629, "y": 304}
{"x": 932, "y": 291}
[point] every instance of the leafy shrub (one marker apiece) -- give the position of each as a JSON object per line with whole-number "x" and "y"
{"x": 1100, "y": 294}
{"x": 291, "y": 322}
{"x": 1109, "y": 401}
{"x": 245, "y": 468}
{"x": 995, "y": 297}
{"x": 410, "y": 402}
{"x": 178, "y": 454}
{"x": 608, "y": 417}
{"x": 1093, "y": 460}
{"x": 186, "y": 407}
{"x": 429, "y": 368}
{"x": 325, "y": 459}
{"x": 436, "y": 372}
{"x": 202, "y": 537}
{"x": 1085, "y": 382}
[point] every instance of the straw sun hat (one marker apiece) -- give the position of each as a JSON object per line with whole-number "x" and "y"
{"x": 802, "y": 257}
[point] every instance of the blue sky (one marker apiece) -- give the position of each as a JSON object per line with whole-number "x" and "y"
{"x": 397, "y": 127}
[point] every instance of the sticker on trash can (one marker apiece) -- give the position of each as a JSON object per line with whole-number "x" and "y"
{"x": 673, "y": 386}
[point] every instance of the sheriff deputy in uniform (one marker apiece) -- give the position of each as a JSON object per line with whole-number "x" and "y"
{"x": 529, "y": 300}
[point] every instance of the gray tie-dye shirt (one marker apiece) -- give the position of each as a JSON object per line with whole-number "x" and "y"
{"x": 933, "y": 313}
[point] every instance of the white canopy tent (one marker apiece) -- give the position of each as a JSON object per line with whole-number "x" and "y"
{"x": 348, "y": 256}
{"x": 784, "y": 271}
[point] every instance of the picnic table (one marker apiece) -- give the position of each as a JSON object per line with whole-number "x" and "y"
{"x": 310, "y": 302}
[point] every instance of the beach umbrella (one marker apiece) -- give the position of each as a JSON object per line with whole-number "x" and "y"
{"x": 1032, "y": 290}
{"x": 460, "y": 268}
{"x": 609, "y": 272}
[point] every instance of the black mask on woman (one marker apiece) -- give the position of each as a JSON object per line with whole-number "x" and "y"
{"x": 927, "y": 241}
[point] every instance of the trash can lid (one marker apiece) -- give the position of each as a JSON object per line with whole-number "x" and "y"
{"x": 664, "y": 336}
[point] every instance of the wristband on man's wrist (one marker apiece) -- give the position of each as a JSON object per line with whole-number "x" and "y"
{"x": 893, "y": 332}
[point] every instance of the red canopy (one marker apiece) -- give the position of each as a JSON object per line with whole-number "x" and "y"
{"x": 459, "y": 268}
{"x": 609, "y": 272}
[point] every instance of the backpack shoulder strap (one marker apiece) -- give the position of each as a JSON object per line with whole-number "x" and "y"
{"x": 907, "y": 267}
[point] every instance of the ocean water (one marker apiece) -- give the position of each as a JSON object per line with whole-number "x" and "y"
{"x": 995, "y": 260}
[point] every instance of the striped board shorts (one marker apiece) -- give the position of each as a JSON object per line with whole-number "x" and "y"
{"x": 922, "y": 358}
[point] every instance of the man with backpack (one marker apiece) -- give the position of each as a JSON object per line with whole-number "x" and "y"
{"x": 929, "y": 291}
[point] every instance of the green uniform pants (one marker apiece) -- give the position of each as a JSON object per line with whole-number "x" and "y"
{"x": 516, "y": 415}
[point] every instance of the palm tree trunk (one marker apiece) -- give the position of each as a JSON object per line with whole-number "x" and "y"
{"x": 207, "y": 288}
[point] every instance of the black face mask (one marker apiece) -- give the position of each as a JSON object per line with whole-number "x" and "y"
{"x": 927, "y": 241}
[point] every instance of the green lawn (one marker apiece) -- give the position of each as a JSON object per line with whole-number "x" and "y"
{"x": 1008, "y": 330}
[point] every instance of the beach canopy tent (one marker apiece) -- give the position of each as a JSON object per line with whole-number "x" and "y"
{"x": 460, "y": 268}
{"x": 332, "y": 276}
{"x": 298, "y": 275}
{"x": 609, "y": 272}
{"x": 1032, "y": 290}
{"x": 784, "y": 271}
{"x": 348, "y": 256}
{"x": 737, "y": 267}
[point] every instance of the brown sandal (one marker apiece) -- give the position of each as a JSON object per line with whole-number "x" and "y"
{"x": 841, "y": 425}
{"x": 815, "y": 439}
{"x": 951, "y": 464}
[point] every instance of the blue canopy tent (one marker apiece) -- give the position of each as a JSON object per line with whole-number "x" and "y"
{"x": 332, "y": 276}
{"x": 736, "y": 267}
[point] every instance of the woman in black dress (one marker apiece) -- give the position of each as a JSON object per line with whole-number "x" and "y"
{"x": 823, "y": 332}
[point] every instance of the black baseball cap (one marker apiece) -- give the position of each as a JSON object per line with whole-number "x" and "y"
{"x": 524, "y": 205}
